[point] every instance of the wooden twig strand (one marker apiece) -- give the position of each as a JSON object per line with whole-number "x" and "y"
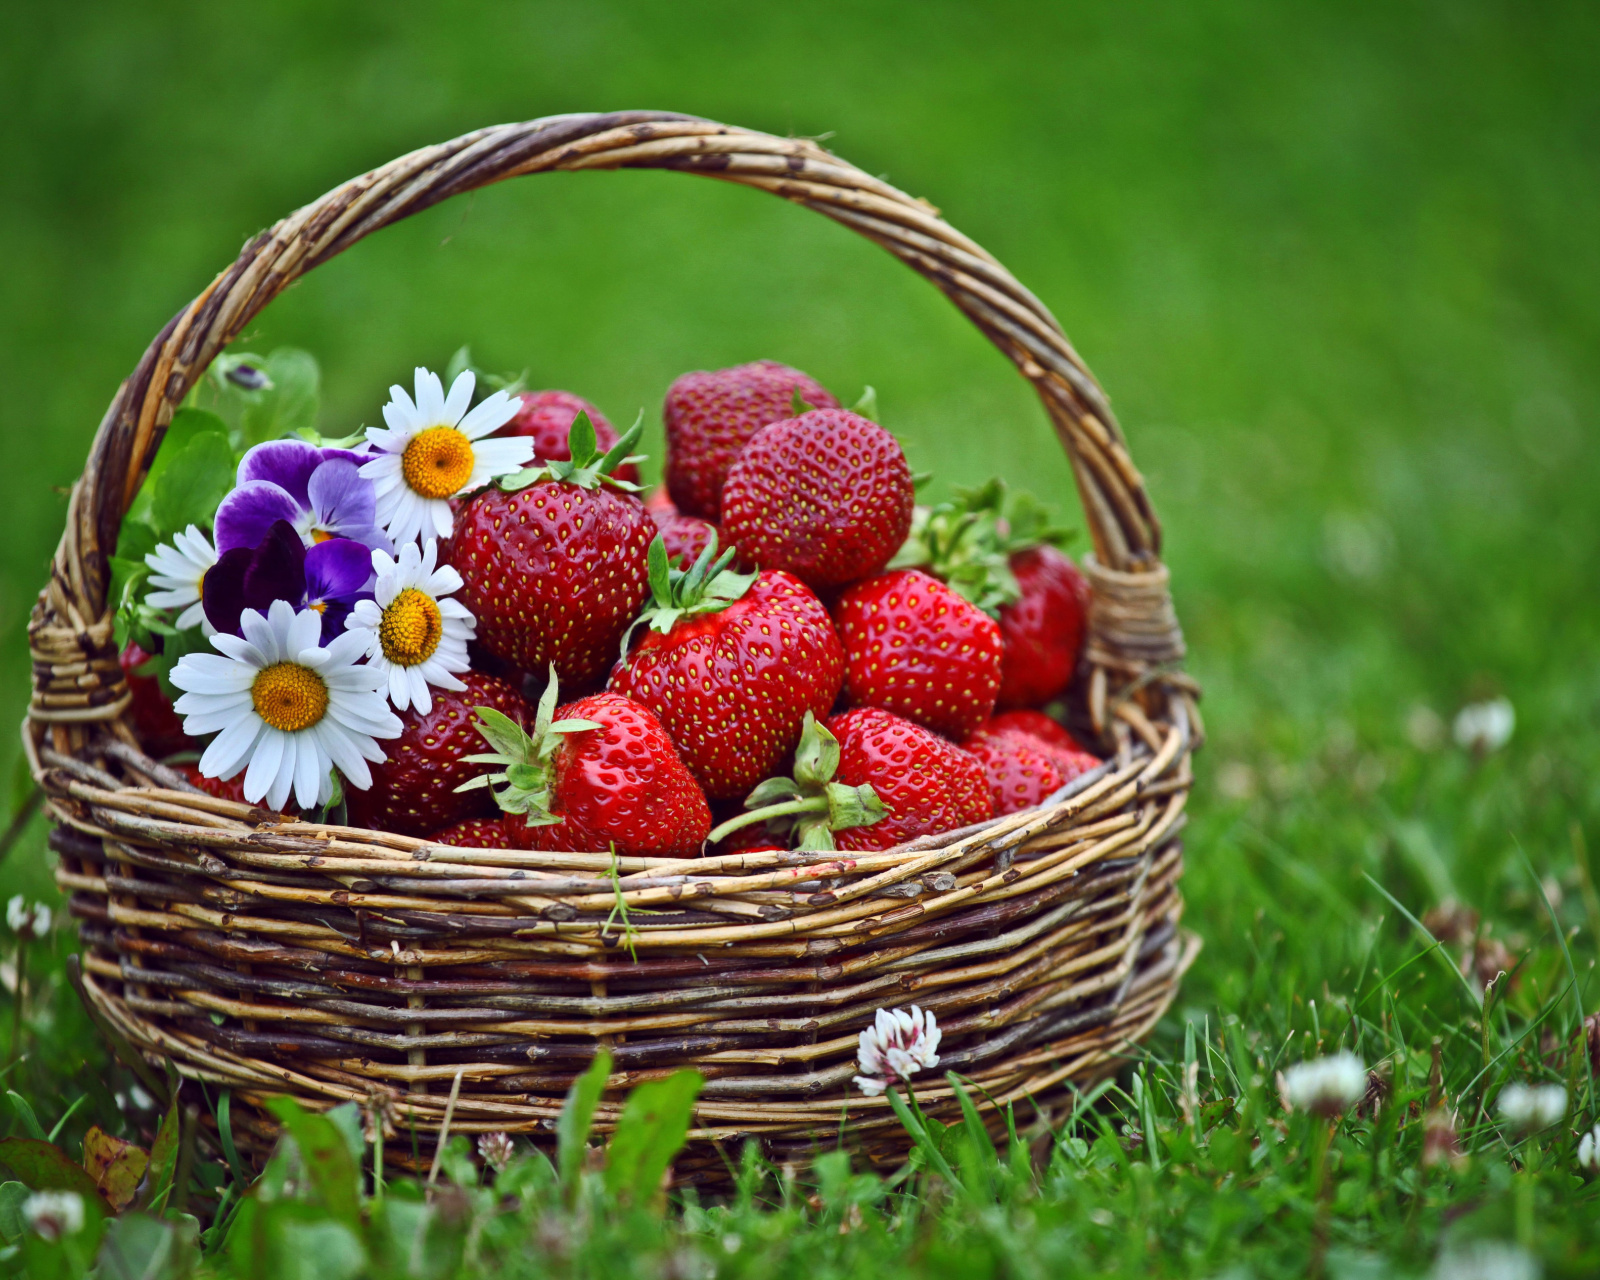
{"x": 467, "y": 988}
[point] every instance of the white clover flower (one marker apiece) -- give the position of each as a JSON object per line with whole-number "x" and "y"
{"x": 285, "y": 706}
{"x": 496, "y": 1149}
{"x": 1485, "y": 726}
{"x": 433, "y": 449}
{"x": 411, "y": 630}
{"x": 32, "y": 918}
{"x": 1589, "y": 1150}
{"x": 897, "y": 1046}
{"x": 1326, "y": 1086}
{"x": 53, "y": 1214}
{"x": 1486, "y": 1260}
{"x": 1531, "y": 1107}
{"x": 178, "y": 572}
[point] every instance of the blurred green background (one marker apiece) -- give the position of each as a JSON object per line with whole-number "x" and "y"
{"x": 1336, "y": 264}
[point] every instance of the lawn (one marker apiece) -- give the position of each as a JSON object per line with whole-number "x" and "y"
{"x": 1335, "y": 264}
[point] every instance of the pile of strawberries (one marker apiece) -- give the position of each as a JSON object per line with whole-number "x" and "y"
{"x": 736, "y": 646}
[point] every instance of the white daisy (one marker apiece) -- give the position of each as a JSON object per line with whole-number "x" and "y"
{"x": 433, "y": 450}
{"x": 411, "y": 630}
{"x": 286, "y": 706}
{"x": 179, "y": 571}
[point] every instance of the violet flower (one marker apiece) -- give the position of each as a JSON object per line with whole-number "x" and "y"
{"x": 329, "y": 577}
{"x": 319, "y": 492}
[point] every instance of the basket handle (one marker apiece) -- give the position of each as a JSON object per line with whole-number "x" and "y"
{"x": 1123, "y": 527}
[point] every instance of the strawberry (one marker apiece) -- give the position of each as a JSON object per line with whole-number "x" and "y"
{"x": 810, "y": 805}
{"x": 553, "y": 560}
{"x": 826, "y": 496}
{"x": 1043, "y": 629}
{"x": 476, "y": 833}
{"x": 915, "y": 647}
{"x": 1036, "y": 724}
{"x": 414, "y": 792}
{"x": 710, "y": 416}
{"x": 158, "y": 727}
{"x": 731, "y": 663}
{"x": 221, "y": 788}
{"x": 924, "y": 782}
{"x": 1022, "y": 770}
{"x": 547, "y": 417}
{"x": 685, "y": 536}
{"x": 595, "y": 775}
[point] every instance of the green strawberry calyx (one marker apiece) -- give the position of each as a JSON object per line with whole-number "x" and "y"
{"x": 588, "y": 468}
{"x": 526, "y": 777}
{"x": 811, "y": 804}
{"x": 706, "y": 586}
{"x": 968, "y": 542}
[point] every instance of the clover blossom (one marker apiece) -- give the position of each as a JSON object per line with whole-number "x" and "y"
{"x": 1531, "y": 1107}
{"x": 899, "y": 1044}
{"x": 1326, "y": 1086}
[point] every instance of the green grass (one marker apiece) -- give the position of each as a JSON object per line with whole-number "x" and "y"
{"x": 1335, "y": 264}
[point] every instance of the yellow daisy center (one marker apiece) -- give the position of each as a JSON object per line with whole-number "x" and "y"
{"x": 437, "y": 462}
{"x": 411, "y": 628}
{"x": 289, "y": 697}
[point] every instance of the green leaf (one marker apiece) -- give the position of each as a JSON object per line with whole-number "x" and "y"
{"x": 867, "y": 406}
{"x": 12, "y": 1225}
{"x": 285, "y": 1240}
{"x": 137, "y": 1246}
{"x": 290, "y": 403}
{"x": 651, "y": 1131}
{"x": 163, "y": 1161}
{"x": 24, "y": 1110}
{"x": 189, "y": 490}
{"x": 186, "y": 425}
{"x": 42, "y": 1166}
{"x": 346, "y": 1118}
{"x": 581, "y": 438}
{"x": 334, "y": 1173}
{"x": 577, "y": 1114}
{"x": 116, "y": 1165}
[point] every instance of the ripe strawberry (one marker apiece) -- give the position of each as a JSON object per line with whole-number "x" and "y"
{"x": 1043, "y": 629}
{"x": 915, "y": 647}
{"x": 731, "y": 663}
{"x": 658, "y": 502}
{"x": 414, "y": 791}
{"x": 476, "y": 833}
{"x": 547, "y": 417}
{"x": 810, "y": 805}
{"x": 826, "y": 496}
{"x": 594, "y": 775}
{"x": 709, "y": 416}
{"x": 1038, "y": 725}
{"x": 158, "y": 727}
{"x": 926, "y": 783}
{"x": 221, "y": 788}
{"x": 685, "y": 536}
{"x": 553, "y": 561}
{"x": 1022, "y": 769}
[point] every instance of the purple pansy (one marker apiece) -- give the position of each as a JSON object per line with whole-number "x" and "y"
{"x": 329, "y": 577}
{"x": 319, "y": 492}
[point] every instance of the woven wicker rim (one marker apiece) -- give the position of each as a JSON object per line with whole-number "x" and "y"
{"x": 1047, "y": 940}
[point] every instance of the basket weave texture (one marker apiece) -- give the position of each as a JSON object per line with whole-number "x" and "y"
{"x": 271, "y": 956}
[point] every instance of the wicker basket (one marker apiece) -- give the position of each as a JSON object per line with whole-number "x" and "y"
{"x": 272, "y": 956}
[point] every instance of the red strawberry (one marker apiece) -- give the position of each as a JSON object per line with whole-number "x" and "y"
{"x": 476, "y": 833}
{"x": 658, "y": 502}
{"x": 731, "y": 663}
{"x": 926, "y": 783}
{"x": 1038, "y": 725}
{"x": 221, "y": 788}
{"x": 685, "y": 536}
{"x": 1022, "y": 769}
{"x": 547, "y": 416}
{"x": 556, "y": 570}
{"x": 915, "y": 647}
{"x": 709, "y": 416}
{"x": 1043, "y": 629}
{"x": 414, "y": 791}
{"x": 826, "y": 496}
{"x": 158, "y": 727}
{"x": 595, "y": 775}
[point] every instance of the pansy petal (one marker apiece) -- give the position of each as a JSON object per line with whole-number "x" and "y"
{"x": 289, "y": 464}
{"x": 337, "y": 568}
{"x": 250, "y": 511}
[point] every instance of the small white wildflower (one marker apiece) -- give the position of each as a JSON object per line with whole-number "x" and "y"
{"x": 1485, "y": 726}
{"x": 1326, "y": 1086}
{"x": 1531, "y": 1107}
{"x": 1486, "y": 1260}
{"x": 29, "y": 918}
{"x": 1589, "y": 1150}
{"x": 53, "y": 1214}
{"x": 898, "y": 1045}
{"x": 496, "y": 1149}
